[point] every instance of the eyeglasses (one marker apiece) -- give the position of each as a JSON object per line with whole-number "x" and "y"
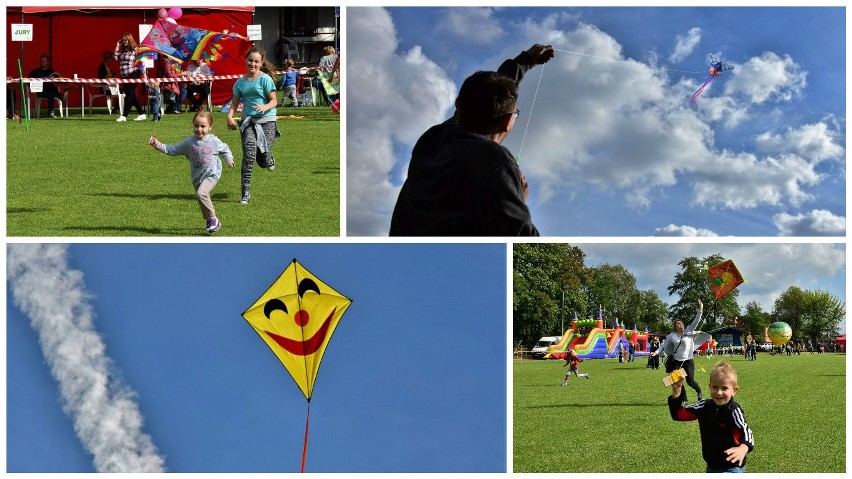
{"x": 517, "y": 113}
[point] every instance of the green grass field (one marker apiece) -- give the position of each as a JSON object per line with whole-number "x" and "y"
{"x": 618, "y": 420}
{"x": 95, "y": 177}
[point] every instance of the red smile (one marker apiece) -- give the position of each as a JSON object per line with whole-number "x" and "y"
{"x": 305, "y": 347}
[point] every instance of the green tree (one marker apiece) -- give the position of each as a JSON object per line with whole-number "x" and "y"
{"x": 613, "y": 288}
{"x": 810, "y": 314}
{"x": 544, "y": 274}
{"x": 790, "y": 308}
{"x": 755, "y": 319}
{"x": 652, "y": 311}
{"x": 823, "y": 315}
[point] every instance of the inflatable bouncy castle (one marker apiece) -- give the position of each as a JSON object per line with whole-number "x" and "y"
{"x": 589, "y": 339}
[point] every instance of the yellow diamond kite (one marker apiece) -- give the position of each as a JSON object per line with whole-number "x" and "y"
{"x": 296, "y": 317}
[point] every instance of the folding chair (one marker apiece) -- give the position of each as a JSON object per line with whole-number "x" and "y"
{"x": 35, "y": 98}
{"x": 107, "y": 92}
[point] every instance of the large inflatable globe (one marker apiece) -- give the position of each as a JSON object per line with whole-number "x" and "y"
{"x": 779, "y": 333}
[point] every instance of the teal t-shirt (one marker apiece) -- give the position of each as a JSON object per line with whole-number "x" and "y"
{"x": 255, "y": 92}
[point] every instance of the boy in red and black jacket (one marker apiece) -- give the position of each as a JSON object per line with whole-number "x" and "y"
{"x": 725, "y": 435}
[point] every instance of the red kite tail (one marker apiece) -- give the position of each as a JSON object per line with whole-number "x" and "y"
{"x": 698, "y": 93}
{"x": 305, "y": 446}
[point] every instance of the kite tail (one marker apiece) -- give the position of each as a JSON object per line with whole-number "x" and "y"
{"x": 305, "y": 446}
{"x": 696, "y": 94}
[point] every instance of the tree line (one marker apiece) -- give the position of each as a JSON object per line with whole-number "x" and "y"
{"x": 551, "y": 283}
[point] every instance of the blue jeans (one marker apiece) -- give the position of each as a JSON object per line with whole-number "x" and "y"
{"x": 730, "y": 469}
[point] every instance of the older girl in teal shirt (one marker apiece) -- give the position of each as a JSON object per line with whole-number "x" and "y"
{"x": 258, "y": 127}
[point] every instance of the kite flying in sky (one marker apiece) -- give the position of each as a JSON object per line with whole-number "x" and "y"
{"x": 296, "y": 317}
{"x": 724, "y": 277}
{"x": 716, "y": 67}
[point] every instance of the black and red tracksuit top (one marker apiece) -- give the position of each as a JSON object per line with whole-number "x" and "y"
{"x": 722, "y": 427}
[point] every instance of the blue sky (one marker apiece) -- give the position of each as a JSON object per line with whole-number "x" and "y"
{"x": 613, "y": 147}
{"x": 770, "y": 269}
{"x": 414, "y": 378}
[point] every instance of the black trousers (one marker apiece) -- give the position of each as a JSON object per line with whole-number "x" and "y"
{"x": 130, "y": 97}
{"x": 689, "y": 367}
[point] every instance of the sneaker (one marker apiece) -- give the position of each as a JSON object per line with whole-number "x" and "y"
{"x": 121, "y": 118}
{"x": 213, "y": 225}
{"x": 565, "y": 383}
{"x": 587, "y": 375}
{"x": 141, "y": 117}
{"x": 271, "y": 167}
{"x": 51, "y": 114}
{"x": 245, "y": 199}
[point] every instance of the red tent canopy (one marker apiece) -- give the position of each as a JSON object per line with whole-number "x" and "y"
{"x": 840, "y": 340}
{"x": 75, "y": 37}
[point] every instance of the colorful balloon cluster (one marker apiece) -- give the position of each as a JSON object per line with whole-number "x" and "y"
{"x": 171, "y": 15}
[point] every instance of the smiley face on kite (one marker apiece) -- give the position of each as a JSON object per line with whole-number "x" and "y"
{"x": 299, "y": 346}
{"x": 296, "y": 317}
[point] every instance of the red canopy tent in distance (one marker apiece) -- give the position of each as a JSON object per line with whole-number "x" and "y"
{"x": 76, "y": 37}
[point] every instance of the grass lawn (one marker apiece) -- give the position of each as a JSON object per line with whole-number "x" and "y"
{"x": 95, "y": 177}
{"x": 618, "y": 420}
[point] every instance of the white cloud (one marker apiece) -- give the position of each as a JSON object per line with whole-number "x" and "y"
{"x": 682, "y": 230}
{"x": 400, "y": 94}
{"x": 685, "y": 44}
{"x": 815, "y": 142}
{"x": 474, "y": 25}
{"x": 765, "y": 78}
{"x": 743, "y": 180}
{"x": 105, "y": 414}
{"x": 815, "y": 223}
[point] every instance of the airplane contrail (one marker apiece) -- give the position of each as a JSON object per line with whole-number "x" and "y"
{"x": 106, "y": 417}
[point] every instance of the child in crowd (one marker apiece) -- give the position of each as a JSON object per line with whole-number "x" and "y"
{"x": 154, "y": 100}
{"x": 725, "y": 435}
{"x": 288, "y": 83}
{"x": 572, "y": 361}
{"x": 203, "y": 150}
{"x": 258, "y": 127}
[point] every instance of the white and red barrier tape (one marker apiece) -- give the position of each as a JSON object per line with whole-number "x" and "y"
{"x": 116, "y": 81}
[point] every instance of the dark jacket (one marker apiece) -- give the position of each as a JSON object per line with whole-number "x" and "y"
{"x": 461, "y": 183}
{"x": 722, "y": 427}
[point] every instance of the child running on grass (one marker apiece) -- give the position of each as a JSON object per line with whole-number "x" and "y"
{"x": 203, "y": 150}
{"x": 572, "y": 360}
{"x": 725, "y": 435}
{"x": 258, "y": 127}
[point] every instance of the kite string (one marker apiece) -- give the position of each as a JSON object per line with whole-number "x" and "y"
{"x": 529, "y": 117}
{"x": 624, "y": 61}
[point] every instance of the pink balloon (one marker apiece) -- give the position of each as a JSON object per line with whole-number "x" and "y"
{"x": 175, "y": 12}
{"x": 162, "y": 14}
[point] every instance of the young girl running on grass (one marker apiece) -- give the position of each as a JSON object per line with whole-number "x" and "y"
{"x": 203, "y": 150}
{"x": 572, "y": 361}
{"x": 258, "y": 127}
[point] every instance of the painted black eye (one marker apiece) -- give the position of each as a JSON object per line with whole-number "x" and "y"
{"x": 272, "y": 305}
{"x": 306, "y": 285}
